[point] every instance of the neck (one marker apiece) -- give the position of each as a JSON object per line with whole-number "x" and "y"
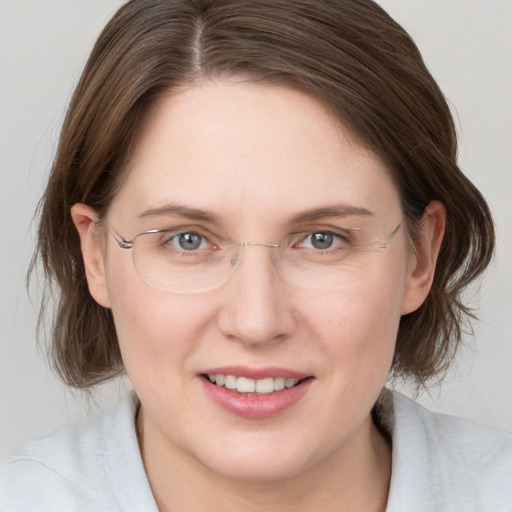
{"x": 354, "y": 477}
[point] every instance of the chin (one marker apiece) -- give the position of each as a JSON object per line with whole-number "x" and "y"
{"x": 258, "y": 470}
{"x": 254, "y": 462}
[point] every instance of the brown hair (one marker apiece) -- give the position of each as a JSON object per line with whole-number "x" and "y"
{"x": 350, "y": 55}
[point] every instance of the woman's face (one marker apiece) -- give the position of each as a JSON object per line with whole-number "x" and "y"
{"x": 255, "y": 163}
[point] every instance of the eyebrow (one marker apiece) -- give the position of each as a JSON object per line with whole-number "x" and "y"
{"x": 182, "y": 211}
{"x": 341, "y": 210}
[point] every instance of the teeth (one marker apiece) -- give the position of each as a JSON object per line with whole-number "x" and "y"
{"x": 245, "y": 385}
{"x": 289, "y": 383}
{"x": 279, "y": 383}
{"x": 265, "y": 386}
{"x": 230, "y": 382}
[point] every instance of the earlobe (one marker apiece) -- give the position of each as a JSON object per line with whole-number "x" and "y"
{"x": 423, "y": 261}
{"x": 84, "y": 217}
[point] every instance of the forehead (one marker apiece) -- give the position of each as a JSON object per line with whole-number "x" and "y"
{"x": 250, "y": 151}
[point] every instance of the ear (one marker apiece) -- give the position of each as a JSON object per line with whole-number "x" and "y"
{"x": 85, "y": 218}
{"x": 422, "y": 263}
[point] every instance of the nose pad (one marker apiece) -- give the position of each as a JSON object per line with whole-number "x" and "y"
{"x": 234, "y": 260}
{"x": 256, "y": 308}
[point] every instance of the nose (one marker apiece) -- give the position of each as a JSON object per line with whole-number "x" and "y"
{"x": 257, "y": 309}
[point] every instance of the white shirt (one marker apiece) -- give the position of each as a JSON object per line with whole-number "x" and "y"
{"x": 440, "y": 464}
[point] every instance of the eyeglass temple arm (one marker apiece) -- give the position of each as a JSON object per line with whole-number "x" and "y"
{"x": 391, "y": 236}
{"x": 121, "y": 241}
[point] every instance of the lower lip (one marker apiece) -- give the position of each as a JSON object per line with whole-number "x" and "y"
{"x": 254, "y": 406}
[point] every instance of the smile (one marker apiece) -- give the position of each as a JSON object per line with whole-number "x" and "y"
{"x": 258, "y": 386}
{"x": 255, "y": 393}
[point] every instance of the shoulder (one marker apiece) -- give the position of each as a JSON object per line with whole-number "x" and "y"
{"x": 54, "y": 472}
{"x": 448, "y": 463}
{"x": 78, "y": 468}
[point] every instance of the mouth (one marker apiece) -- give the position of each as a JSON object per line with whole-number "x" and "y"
{"x": 255, "y": 394}
{"x": 246, "y": 385}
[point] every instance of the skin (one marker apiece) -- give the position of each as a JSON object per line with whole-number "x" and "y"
{"x": 265, "y": 153}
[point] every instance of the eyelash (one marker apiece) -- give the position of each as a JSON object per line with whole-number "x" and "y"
{"x": 336, "y": 237}
{"x": 174, "y": 235}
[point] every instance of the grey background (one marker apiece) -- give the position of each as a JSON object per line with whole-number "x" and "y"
{"x": 467, "y": 45}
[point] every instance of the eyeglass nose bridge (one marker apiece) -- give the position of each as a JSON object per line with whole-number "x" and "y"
{"x": 236, "y": 257}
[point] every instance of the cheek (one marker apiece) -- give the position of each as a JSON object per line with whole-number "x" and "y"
{"x": 156, "y": 330}
{"x": 358, "y": 325}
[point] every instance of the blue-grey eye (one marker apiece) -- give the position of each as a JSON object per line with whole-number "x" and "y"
{"x": 322, "y": 240}
{"x": 189, "y": 241}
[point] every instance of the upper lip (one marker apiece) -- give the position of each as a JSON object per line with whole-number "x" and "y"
{"x": 255, "y": 373}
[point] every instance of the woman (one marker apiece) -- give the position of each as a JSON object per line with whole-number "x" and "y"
{"x": 256, "y": 212}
